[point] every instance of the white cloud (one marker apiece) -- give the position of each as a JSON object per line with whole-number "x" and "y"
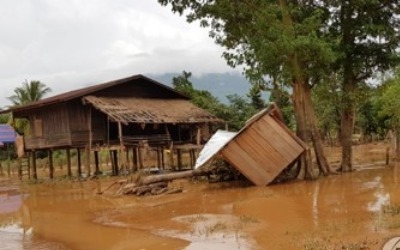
{"x": 71, "y": 43}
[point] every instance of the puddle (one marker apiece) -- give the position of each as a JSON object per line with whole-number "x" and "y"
{"x": 212, "y": 231}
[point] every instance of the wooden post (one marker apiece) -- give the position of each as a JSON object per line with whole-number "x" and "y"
{"x": 34, "y": 174}
{"x": 88, "y": 148}
{"x": 140, "y": 157}
{"x": 28, "y": 158}
{"x": 162, "y": 159}
{"x": 19, "y": 168}
{"x": 179, "y": 152}
{"x": 159, "y": 158}
{"x": 111, "y": 157}
{"x": 87, "y": 160}
{"x": 387, "y": 155}
{"x": 121, "y": 144}
{"x": 127, "y": 159}
{"x": 171, "y": 156}
{"x": 51, "y": 166}
{"x": 96, "y": 162}
{"x": 69, "y": 172}
{"x": 134, "y": 159}
{"x": 78, "y": 151}
{"x": 115, "y": 159}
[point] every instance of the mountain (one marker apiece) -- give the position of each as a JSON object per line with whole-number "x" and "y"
{"x": 219, "y": 84}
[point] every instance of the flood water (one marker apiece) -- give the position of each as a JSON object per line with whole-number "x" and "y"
{"x": 358, "y": 210}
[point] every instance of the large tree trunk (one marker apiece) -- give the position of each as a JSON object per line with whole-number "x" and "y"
{"x": 301, "y": 122}
{"x": 304, "y": 112}
{"x": 314, "y": 133}
{"x": 347, "y": 124}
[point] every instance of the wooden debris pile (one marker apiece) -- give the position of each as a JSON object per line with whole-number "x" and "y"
{"x": 152, "y": 184}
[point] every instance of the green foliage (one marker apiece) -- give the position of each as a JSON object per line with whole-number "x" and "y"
{"x": 29, "y": 92}
{"x": 266, "y": 36}
{"x": 235, "y": 113}
{"x": 5, "y": 118}
{"x": 390, "y": 101}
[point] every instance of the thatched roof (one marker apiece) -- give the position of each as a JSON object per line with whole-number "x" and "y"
{"x": 87, "y": 91}
{"x": 150, "y": 110}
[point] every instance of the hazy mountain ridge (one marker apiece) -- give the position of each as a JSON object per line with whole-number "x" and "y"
{"x": 219, "y": 84}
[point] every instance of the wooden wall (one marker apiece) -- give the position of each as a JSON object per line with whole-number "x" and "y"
{"x": 65, "y": 125}
{"x": 262, "y": 150}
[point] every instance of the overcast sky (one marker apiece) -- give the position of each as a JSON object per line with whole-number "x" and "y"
{"x": 68, "y": 44}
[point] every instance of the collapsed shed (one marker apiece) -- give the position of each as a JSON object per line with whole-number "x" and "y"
{"x": 261, "y": 150}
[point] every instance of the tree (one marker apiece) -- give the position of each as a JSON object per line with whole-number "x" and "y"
{"x": 368, "y": 37}
{"x": 390, "y": 103}
{"x": 273, "y": 38}
{"x": 236, "y": 113}
{"x": 304, "y": 42}
{"x": 29, "y": 92}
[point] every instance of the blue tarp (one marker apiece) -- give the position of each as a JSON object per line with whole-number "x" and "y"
{"x": 7, "y": 134}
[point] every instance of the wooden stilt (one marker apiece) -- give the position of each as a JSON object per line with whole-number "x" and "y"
{"x": 159, "y": 158}
{"x": 20, "y": 168}
{"x": 121, "y": 149}
{"x": 128, "y": 167}
{"x": 110, "y": 155}
{"x": 78, "y": 151}
{"x": 179, "y": 152}
{"x": 51, "y": 165}
{"x": 87, "y": 160}
{"x": 140, "y": 157}
{"x": 134, "y": 158}
{"x": 69, "y": 171}
{"x": 96, "y": 163}
{"x": 162, "y": 159}
{"x": 115, "y": 159}
{"x": 29, "y": 164}
{"x": 34, "y": 174}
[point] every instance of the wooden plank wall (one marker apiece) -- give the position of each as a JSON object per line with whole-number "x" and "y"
{"x": 262, "y": 151}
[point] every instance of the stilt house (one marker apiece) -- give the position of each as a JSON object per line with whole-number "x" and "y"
{"x": 122, "y": 114}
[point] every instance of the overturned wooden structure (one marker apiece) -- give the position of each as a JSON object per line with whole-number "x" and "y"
{"x": 121, "y": 116}
{"x": 261, "y": 150}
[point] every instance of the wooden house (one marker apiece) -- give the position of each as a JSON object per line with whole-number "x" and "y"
{"x": 260, "y": 150}
{"x": 120, "y": 114}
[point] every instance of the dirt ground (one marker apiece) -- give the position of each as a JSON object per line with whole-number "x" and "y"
{"x": 357, "y": 210}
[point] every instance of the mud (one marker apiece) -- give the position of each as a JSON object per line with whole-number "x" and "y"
{"x": 358, "y": 210}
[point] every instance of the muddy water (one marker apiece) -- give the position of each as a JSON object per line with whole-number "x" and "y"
{"x": 358, "y": 210}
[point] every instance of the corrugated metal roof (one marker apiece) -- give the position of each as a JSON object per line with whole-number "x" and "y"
{"x": 7, "y": 134}
{"x": 150, "y": 110}
{"x": 86, "y": 91}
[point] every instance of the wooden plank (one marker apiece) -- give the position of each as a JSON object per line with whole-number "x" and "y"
{"x": 274, "y": 140}
{"x": 234, "y": 154}
{"x": 289, "y": 135}
{"x": 268, "y": 147}
{"x": 271, "y": 162}
{"x": 278, "y": 133}
{"x": 261, "y": 153}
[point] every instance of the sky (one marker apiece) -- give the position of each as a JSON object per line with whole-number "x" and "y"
{"x": 69, "y": 44}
